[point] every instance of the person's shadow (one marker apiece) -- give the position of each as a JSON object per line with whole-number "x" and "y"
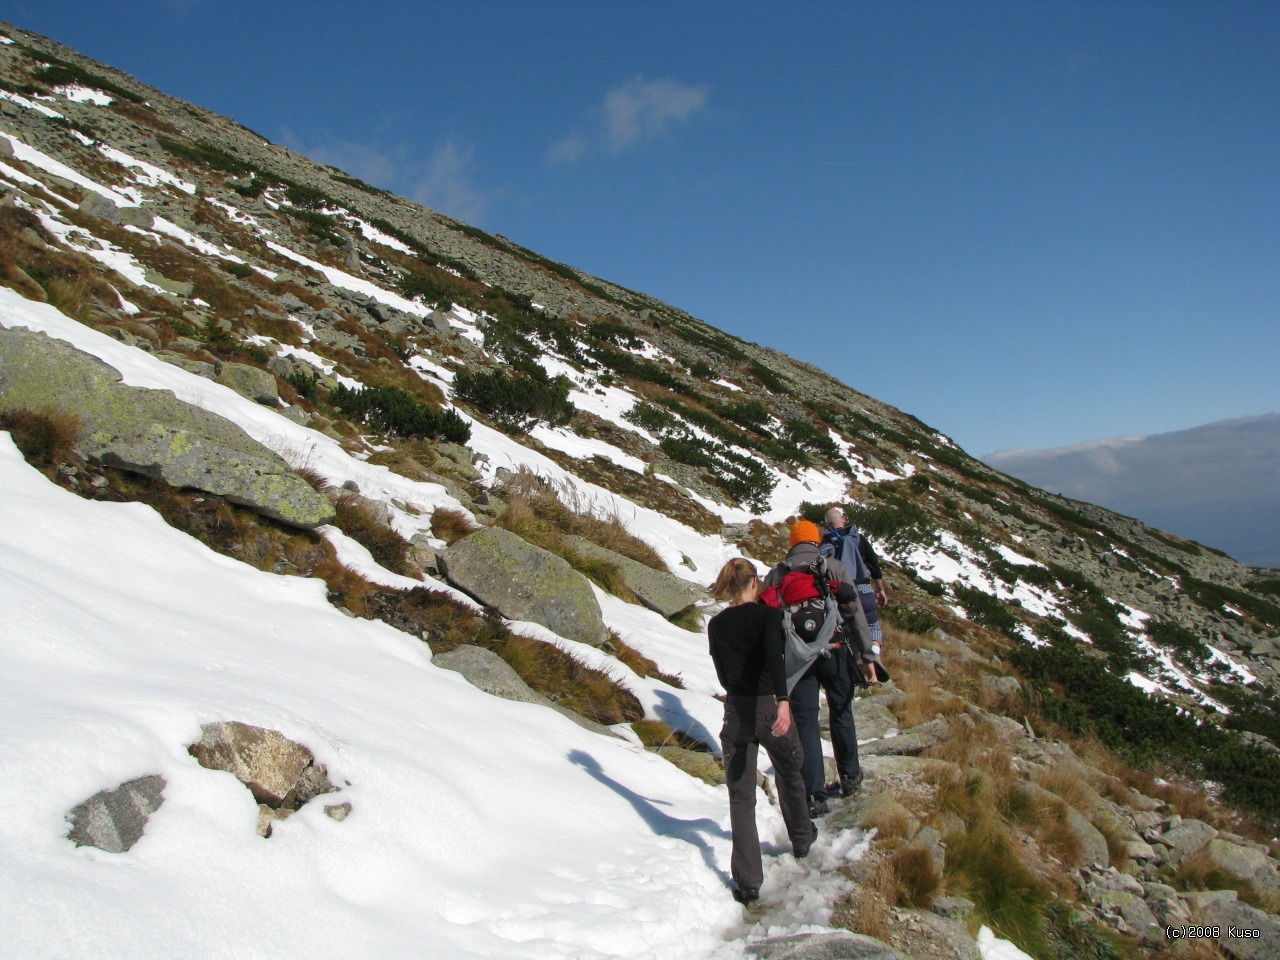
{"x": 673, "y": 713}
{"x": 663, "y": 824}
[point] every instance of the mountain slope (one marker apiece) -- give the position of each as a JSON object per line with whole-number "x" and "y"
{"x": 425, "y": 367}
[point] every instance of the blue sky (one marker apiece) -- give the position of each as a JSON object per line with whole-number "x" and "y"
{"x": 1027, "y": 223}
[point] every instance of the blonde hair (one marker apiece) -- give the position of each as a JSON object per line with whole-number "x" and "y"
{"x": 734, "y": 579}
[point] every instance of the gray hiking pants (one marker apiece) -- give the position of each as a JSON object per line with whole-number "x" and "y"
{"x": 747, "y": 722}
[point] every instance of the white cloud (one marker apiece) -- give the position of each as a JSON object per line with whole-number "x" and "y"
{"x": 444, "y": 182}
{"x": 447, "y": 185}
{"x": 638, "y": 111}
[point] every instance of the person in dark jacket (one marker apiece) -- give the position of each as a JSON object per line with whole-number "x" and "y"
{"x": 746, "y": 647}
{"x": 844, "y": 542}
{"x": 835, "y": 675}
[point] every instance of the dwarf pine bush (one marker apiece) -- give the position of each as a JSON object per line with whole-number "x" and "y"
{"x": 391, "y": 410}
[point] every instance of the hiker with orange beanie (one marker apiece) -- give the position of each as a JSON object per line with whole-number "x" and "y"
{"x": 836, "y": 674}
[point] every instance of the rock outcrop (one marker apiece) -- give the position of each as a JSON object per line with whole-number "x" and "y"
{"x": 151, "y": 431}
{"x": 282, "y": 775}
{"x": 524, "y": 582}
{"x": 659, "y": 591}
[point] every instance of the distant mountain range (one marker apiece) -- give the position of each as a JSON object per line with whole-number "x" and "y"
{"x": 1218, "y": 483}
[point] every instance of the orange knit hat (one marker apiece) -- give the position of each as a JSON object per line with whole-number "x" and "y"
{"x": 805, "y": 531}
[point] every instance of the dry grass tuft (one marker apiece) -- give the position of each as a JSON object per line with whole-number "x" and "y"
{"x": 358, "y": 519}
{"x": 639, "y": 664}
{"x": 544, "y": 513}
{"x": 46, "y": 438}
{"x": 916, "y": 877}
{"x": 451, "y": 525}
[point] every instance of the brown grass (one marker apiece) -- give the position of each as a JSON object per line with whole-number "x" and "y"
{"x": 916, "y": 878}
{"x": 46, "y": 438}
{"x": 358, "y": 520}
{"x": 544, "y": 512}
{"x": 451, "y": 525}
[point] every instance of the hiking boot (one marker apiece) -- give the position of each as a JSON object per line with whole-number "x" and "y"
{"x": 849, "y": 785}
{"x": 818, "y": 807}
{"x": 746, "y": 894}
{"x": 801, "y": 850}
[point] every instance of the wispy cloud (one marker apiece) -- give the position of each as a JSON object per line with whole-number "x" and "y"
{"x": 447, "y": 185}
{"x": 443, "y": 181}
{"x": 638, "y": 111}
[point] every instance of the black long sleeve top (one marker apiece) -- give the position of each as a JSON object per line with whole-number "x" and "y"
{"x": 746, "y": 647}
{"x": 870, "y": 558}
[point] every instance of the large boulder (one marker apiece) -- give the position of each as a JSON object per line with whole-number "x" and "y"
{"x": 252, "y": 382}
{"x": 266, "y": 761}
{"x": 657, "y": 590}
{"x": 1244, "y": 932}
{"x": 151, "y": 431}
{"x": 114, "y": 820}
{"x": 524, "y": 582}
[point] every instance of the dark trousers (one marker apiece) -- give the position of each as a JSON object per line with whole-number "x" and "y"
{"x": 747, "y": 723}
{"x": 834, "y": 676}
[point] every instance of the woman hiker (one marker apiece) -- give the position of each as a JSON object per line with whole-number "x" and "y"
{"x": 746, "y": 647}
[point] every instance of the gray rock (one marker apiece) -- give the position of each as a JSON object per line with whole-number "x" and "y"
{"x": 198, "y": 367}
{"x": 921, "y": 934}
{"x": 836, "y": 945}
{"x": 658, "y": 591}
{"x": 1128, "y": 912}
{"x": 489, "y": 672}
{"x": 265, "y": 761}
{"x": 910, "y": 743}
{"x": 338, "y": 811}
{"x": 1093, "y": 845}
{"x": 524, "y": 582}
{"x": 258, "y": 385}
{"x": 151, "y": 431}
{"x": 930, "y": 840}
{"x": 1244, "y": 862}
{"x": 1245, "y": 932}
{"x": 139, "y": 217}
{"x": 952, "y": 907}
{"x": 114, "y": 820}
{"x": 1000, "y": 688}
{"x": 873, "y": 718}
{"x": 179, "y": 288}
{"x": 1185, "y": 839}
{"x": 96, "y": 205}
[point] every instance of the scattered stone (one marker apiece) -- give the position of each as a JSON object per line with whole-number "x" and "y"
{"x": 114, "y": 820}
{"x": 338, "y": 811}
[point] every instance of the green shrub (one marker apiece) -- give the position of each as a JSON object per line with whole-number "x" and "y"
{"x": 910, "y": 619}
{"x": 984, "y": 609}
{"x": 1188, "y": 649}
{"x": 393, "y": 411}
{"x": 516, "y": 402}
